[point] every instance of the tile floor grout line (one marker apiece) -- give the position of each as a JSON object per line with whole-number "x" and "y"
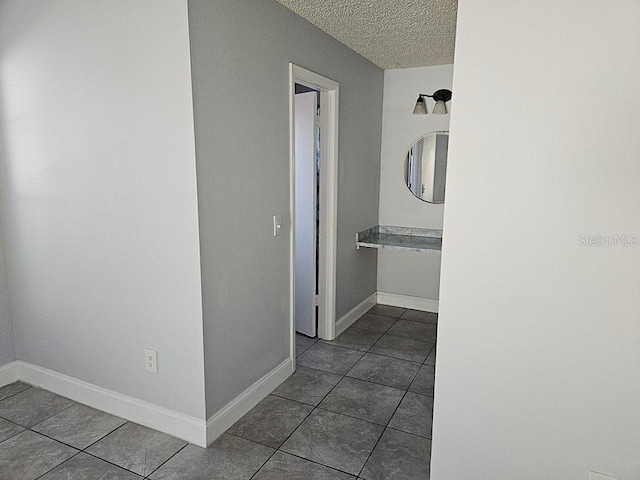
{"x": 108, "y": 461}
{"x": 410, "y": 338}
{"x": 298, "y": 401}
{"x": 381, "y": 435}
{"x": 298, "y": 353}
{"x": 328, "y": 342}
{"x": 369, "y": 330}
{"x": 111, "y": 463}
{"x": 317, "y": 407}
{"x": 47, "y": 418}
{"x": 62, "y": 463}
{"x": 354, "y": 378}
{"x": 383, "y": 333}
{"x": 73, "y": 404}
{"x": 15, "y": 434}
{"x": 414, "y": 378}
{"x": 68, "y": 444}
{"x": 367, "y": 381}
{"x": 390, "y": 316}
{"x": 265, "y": 462}
{"x": 317, "y": 463}
{"x": 343, "y": 377}
{"x": 432, "y": 350}
{"x": 93, "y": 456}
{"x": 17, "y": 393}
{"x": 288, "y": 436}
{"x": 106, "y": 435}
{"x": 14, "y": 423}
{"x": 390, "y": 356}
{"x": 54, "y": 439}
{"x": 163, "y": 463}
{"x": 387, "y": 333}
{"x": 326, "y": 371}
{"x": 395, "y": 429}
{"x": 396, "y": 410}
{"x": 79, "y": 451}
{"x": 403, "y": 396}
{"x": 277, "y": 449}
{"x": 324, "y": 409}
{"x": 374, "y": 353}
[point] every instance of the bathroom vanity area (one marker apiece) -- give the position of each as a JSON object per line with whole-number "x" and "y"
{"x": 408, "y": 235}
{"x": 400, "y": 238}
{"x": 425, "y": 175}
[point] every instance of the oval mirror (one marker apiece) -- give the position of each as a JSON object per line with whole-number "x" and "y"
{"x": 425, "y": 167}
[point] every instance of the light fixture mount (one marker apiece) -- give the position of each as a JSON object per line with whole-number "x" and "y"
{"x": 439, "y": 96}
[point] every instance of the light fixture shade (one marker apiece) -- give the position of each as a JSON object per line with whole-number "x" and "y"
{"x": 421, "y": 107}
{"x": 440, "y": 108}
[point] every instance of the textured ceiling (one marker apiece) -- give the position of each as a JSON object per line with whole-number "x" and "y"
{"x": 390, "y": 33}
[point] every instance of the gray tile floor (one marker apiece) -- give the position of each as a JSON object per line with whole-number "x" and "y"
{"x": 358, "y": 407}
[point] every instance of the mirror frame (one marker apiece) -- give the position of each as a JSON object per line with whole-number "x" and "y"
{"x": 405, "y": 166}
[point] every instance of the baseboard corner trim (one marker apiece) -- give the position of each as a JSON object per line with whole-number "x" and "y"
{"x": 408, "y": 301}
{"x": 172, "y": 422}
{"x": 233, "y": 411}
{"x": 9, "y": 373}
{"x": 355, "y": 313}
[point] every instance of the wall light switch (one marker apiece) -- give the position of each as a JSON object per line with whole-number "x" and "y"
{"x": 277, "y": 225}
{"x": 600, "y": 476}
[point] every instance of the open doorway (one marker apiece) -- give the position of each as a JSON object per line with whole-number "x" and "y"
{"x": 306, "y": 230}
{"x": 313, "y": 152}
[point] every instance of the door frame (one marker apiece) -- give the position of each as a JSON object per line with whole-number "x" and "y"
{"x": 329, "y": 97}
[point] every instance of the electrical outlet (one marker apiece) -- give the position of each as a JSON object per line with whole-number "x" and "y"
{"x": 600, "y": 476}
{"x": 277, "y": 225}
{"x": 150, "y": 360}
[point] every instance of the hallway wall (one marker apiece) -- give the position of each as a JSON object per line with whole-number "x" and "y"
{"x": 240, "y": 59}
{"x": 538, "y": 372}
{"x": 7, "y": 336}
{"x": 99, "y": 194}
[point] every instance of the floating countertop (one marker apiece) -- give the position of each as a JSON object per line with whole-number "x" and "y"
{"x": 401, "y": 238}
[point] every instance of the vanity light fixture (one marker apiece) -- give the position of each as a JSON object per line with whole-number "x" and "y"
{"x": 440, "y": 97}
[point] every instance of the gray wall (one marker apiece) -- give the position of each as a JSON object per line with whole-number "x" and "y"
{"x": 7, "y": 333}
{"x": 99, "y": 194}
{"x": 240, "y": 53}
{"x": 7, "y": 337}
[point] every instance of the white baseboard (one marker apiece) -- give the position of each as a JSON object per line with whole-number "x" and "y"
{"x": 186, "y": 427}
{"x": 189, "y": 428}
{"x": 239, "y": 406}
{"x": 407, "y": 301}
{"x": 354, "y": 314}
{"x": 8, "y": 373}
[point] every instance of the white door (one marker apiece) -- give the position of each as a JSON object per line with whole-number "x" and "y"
{"x": 305, "y": 213}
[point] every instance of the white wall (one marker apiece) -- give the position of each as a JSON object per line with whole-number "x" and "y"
{"x": 240, "y": 54}
{"x": 538, "y": 371}
{"x": 415, "y": 274}
{"x": 99, "y": 193}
